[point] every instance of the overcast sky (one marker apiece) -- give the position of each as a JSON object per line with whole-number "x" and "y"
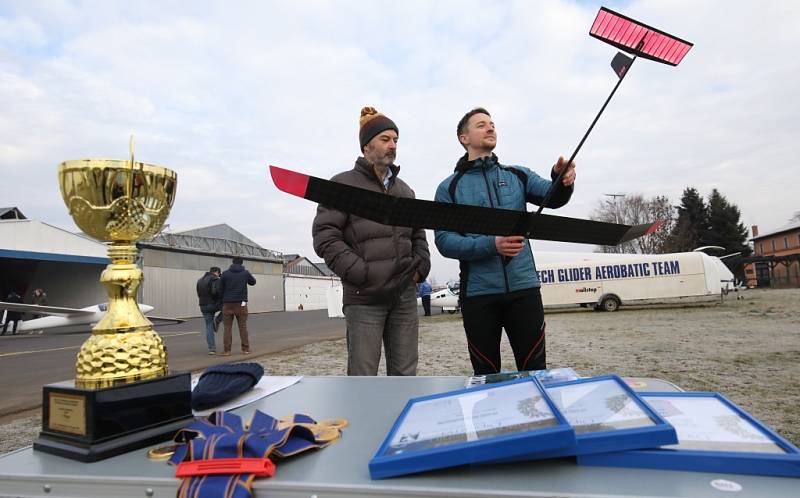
{"x": 219, "y": 90}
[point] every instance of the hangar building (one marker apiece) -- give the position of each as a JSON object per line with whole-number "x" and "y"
{"x": 67, "y": 265}
{"x": 34, "y": 255}
{"x": 172, "y": 263}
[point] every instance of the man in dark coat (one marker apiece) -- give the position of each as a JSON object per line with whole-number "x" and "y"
{"x": 209, "y": 300}
{"x": 233, "y": 288}
{"x": 379, "y": 265}
{"x": 13, "y": 316}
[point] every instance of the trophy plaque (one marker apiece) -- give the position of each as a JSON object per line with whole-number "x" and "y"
{"x": 123, "y": 396}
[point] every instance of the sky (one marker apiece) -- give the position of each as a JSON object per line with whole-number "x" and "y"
{"x": 217, "y": 91}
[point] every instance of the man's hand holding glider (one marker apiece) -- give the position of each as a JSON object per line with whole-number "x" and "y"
{"x": 569, "y": 177}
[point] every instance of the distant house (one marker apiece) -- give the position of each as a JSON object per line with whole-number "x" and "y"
{"x": 776, "y": 257}
{"x": 299, "y": 265}
{"x": 306, "y": 283}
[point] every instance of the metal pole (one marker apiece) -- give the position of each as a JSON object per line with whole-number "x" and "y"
{"x": 555, "y": 183}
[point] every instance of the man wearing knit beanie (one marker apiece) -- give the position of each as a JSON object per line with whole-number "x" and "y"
{"x": 379, "y": 265}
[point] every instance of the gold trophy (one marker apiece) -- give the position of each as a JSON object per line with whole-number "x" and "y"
{"x": 123, "y": 396}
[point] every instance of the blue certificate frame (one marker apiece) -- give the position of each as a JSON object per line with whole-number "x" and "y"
{"x": 642, "y": 428}
{"x": 472, "y": 425}
{"x": 606, "y": 415}
{"x": 744, "y": 446}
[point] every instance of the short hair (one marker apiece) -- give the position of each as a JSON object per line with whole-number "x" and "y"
{"x": 214, "y": 269}
{"x": 462, "y": 123}
{"x": 238, "y": 260}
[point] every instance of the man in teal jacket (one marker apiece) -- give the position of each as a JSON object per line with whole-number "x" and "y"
{"x": 499, "y": 283}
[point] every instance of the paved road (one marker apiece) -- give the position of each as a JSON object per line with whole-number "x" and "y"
{"x": 27, "y": 362}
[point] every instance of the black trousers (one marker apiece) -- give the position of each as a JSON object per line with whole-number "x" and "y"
{"x": 426, "y": 304}
{"x": 521, "y": 314}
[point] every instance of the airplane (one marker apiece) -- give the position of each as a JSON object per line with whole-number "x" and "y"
{"x": 446, "y": 298}
{"x": 69, "y": 317}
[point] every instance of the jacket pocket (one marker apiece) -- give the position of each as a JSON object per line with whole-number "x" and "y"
{"x": 358, "y": 273}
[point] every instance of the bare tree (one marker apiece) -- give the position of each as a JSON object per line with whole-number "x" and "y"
{"x": 636, "y": 210}
{"x": 796, "y": 216}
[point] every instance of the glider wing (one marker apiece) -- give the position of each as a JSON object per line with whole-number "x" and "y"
{"x": 397, "y": 211}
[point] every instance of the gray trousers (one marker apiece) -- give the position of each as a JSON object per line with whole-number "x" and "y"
{"x": 396, "y": 324}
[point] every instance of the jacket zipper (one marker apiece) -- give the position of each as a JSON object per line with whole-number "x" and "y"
{"x": 491, "y": 203}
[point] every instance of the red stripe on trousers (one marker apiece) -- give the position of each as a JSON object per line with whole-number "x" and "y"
{"x": 535, "y": 346}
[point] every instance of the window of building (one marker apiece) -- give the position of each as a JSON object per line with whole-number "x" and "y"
{"x": 773, "y": 245}
{"x": 762, "y": 248}
{"x": 786, "y": 242}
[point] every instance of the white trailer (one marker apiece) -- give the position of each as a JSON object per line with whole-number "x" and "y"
{"x": 607, "y": 281}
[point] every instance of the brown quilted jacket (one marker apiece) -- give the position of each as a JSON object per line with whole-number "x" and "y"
{"x": 375, "y": 262}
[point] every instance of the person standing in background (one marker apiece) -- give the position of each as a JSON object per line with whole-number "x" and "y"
{"x": 13, "y": 316}
{"x": 209, "y": 298}
{"x": 425, "y": 293}
{"x": 39, "y": 299}
{"x": 233, "y": 288}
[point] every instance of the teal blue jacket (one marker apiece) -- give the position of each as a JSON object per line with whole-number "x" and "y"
{"x": 485, "y": 182}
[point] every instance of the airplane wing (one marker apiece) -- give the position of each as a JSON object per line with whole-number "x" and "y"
{"x": 390, "y": 210}
{"x": 44, "y": 310}
{"x": 158, "y": 320}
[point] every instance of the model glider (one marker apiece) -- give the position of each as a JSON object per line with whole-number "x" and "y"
{"x": 58, "y": 317}
{"x": 398, "y": 211}
{"x": 620, "y": 31}
{"x": 634, "y": 38}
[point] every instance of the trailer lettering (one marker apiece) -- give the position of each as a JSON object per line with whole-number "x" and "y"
{"x": 622, "y": 271}
{"x": 574, "y": 274}
{"x": 666, "y": 267}
{"x": 546, "y": 276}
{"x": 607, "y": 272}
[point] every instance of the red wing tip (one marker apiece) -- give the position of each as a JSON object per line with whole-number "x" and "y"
{"x": 289, "y": 181}
{"x": 655, "y": 226}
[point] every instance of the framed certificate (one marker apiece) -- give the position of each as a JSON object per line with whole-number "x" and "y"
{"x": 607, "y": 415}
{"x": 474, "y": 425}
{"x": 714, "y": 435}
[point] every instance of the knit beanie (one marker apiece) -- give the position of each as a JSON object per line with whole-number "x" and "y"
{"x": 372, "y": 123}
{"x": 221, "y": 383}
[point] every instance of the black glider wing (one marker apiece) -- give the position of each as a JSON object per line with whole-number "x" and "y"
{"x": 415, "y": 213}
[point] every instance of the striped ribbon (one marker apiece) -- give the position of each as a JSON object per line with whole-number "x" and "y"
{"x": 222, "y": 435}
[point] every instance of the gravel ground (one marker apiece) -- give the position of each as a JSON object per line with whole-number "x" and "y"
{"x": 748, "y": 350}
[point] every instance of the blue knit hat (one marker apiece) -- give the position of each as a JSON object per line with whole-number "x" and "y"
{"x": 222, "y": 383}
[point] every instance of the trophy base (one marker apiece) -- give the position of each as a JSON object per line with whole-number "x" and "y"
{"x": 93, "y": 424}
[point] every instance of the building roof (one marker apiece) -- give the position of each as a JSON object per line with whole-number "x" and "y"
{"x": 794, "y": 225}
{"x": 324, "y": 269}
{"x": 11, "y": 213}
{"x": 219, "y": 231}
{"x": 219, "y": 240}
{"x": 288, "y": 258}
{"x": 303, "y": 266}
